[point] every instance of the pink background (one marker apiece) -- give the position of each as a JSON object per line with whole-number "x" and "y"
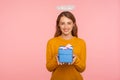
{"x": 27, "y": 25}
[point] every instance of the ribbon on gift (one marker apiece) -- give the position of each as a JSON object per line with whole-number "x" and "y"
{"x": 68, "y": 46}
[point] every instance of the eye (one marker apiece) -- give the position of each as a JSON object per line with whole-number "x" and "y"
{"x": 62, "y": 23}
{"x": 69, "y": 23}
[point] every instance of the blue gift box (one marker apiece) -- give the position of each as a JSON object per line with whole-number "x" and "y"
{"x": 65, "y": 55}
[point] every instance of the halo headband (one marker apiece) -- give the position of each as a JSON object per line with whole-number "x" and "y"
{"x": 65, "y": 7}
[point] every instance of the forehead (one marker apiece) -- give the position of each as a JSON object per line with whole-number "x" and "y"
{"x": 65, "y": 19}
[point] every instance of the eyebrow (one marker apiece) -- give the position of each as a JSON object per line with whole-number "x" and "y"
{"x": 67, "y": 21}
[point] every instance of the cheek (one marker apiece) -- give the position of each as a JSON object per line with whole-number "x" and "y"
{"x": 71, "y": 27}
{"x": 61, "y": 27}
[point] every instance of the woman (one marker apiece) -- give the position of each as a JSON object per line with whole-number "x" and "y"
{"x": 66, "y": 33}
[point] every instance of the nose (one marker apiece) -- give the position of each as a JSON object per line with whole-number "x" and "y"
{"x": 65, "y": 26}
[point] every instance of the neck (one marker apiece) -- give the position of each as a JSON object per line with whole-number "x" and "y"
{"x": 67, "y": 37}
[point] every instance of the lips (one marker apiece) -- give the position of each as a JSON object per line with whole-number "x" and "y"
{"x": 65, "y": 30}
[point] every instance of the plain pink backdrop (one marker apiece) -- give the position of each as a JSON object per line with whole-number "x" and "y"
{"x": 27, "y": 25}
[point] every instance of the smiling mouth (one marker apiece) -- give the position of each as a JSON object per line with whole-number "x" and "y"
{"x": 65, "y": 30}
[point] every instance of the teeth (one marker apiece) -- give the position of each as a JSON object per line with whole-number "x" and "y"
{"x": 65, "y": 30}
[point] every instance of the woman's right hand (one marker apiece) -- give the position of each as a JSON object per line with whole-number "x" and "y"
{"x": 57, "y": 58}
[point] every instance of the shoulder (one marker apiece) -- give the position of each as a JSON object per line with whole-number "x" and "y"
{"x": 80, "y": 40}
{"x": 52, "y": 40}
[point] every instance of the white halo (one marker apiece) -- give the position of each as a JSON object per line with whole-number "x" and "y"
{"x": 66, "y": 7}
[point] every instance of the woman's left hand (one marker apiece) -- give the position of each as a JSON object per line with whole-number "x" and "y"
{"x": 74, "y": 58}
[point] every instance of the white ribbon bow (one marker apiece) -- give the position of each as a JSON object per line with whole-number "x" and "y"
{"x": 68, "y": 46}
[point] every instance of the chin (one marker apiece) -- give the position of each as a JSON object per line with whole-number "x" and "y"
{"x": 66, "y": 34}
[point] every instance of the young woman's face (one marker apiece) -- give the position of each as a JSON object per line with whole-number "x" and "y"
{"x": 66, "y": 25}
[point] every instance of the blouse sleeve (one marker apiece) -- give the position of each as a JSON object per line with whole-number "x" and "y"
{"x": 51, "y": 62}
{"x": 80, "y": 63}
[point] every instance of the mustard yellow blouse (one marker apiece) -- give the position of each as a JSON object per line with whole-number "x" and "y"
{"x": 66, "y": 72}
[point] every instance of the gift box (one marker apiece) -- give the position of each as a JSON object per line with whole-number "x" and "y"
{"x": 65, "y": 54}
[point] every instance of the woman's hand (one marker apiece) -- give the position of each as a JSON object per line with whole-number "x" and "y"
{"x": 57, "y": 58}
{"x": 74, "y": 58}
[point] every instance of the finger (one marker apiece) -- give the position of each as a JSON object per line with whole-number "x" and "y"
{"x": 73, "y": 60}
{"x": 58, "y": 60}
{"x": 71, "y": 63}
{"x": 60, "y": 63}
{"x": 68, "y": 63}
{"x": 73, "y": 54}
